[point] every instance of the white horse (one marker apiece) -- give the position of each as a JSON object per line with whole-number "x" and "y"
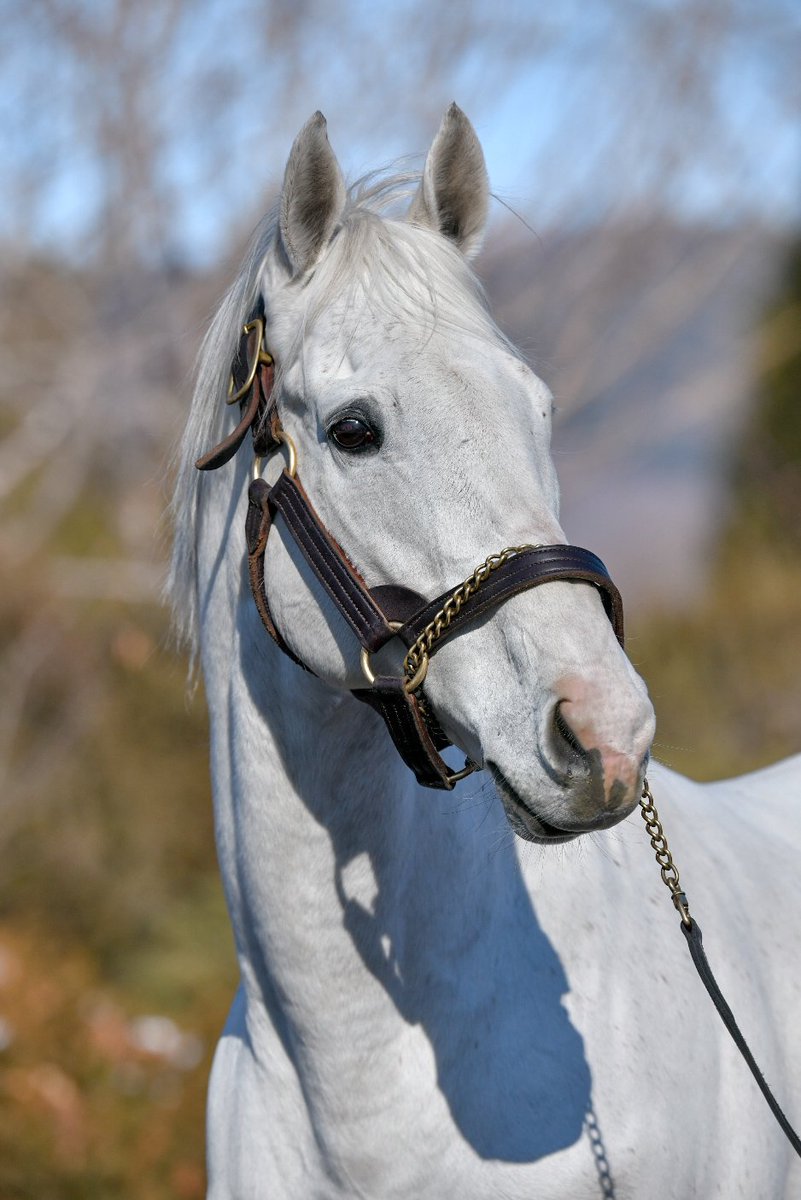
{"x": 430, "y": 1007}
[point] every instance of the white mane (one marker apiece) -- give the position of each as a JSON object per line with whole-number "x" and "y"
{"x": 382, "y": 257}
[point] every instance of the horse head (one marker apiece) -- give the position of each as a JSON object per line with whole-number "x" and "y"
{"x": 423, "y": 439}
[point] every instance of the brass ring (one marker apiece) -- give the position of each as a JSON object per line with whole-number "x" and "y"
{"x": 468, "y": 769}
{"x": 282, "y": 436}
{"x": 261, "y": 356}
{"x": 292, "y": 468}
{"x": 411, "y": 685}
{"x": 364, "y": 657}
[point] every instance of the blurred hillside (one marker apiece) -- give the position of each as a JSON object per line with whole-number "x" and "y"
{"x": 725, "y": 675}
{"x": 654, "y": 151}
{"x": 645, "y": 332}
{"x": 115, "y": 957}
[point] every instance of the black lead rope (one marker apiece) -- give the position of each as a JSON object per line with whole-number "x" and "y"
{"x": 692, "y": 932}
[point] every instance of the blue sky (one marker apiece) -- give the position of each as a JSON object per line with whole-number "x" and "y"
{"x": 584, "y": 109}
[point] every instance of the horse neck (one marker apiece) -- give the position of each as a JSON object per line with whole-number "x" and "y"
{"x": 343, "y": 843}
{"x": 335, "y": 862}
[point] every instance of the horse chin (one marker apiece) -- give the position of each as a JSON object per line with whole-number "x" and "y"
{"x": 521, "y": 816}
{"x": 530, "y": 825}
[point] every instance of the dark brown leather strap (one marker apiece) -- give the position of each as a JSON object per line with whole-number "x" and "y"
{"x": 257, "y": 407}
{"x": 408, "y": 730}
{"x": 541, "y": 564}
{"x": 416, "y": 739}
{"x": 225, "y": 450}
{"x": 267, "y": 423}
{"x": 327, "y": 559}
{"x": 258, "y": 523}
{"x": 695, "y": 943}
{"x": 397, "y": 603}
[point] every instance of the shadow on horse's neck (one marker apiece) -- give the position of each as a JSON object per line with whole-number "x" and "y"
{"x": 445, "y": 925}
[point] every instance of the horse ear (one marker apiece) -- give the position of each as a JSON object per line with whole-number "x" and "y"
{"x": 453, "y": 196}
{"x": 313, "y": 196}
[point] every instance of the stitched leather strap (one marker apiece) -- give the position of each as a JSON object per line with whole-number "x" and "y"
{"x": 258, "y": 524}
{"x": 541, "y": 564}
{"x": 409, "y": 730}
{"x": 416, "y": 739}
{"x": 327, "y": 559}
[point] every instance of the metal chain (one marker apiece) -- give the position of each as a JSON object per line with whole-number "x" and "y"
{"x": 667, "y": 867}
{"x": 435, "y": 629}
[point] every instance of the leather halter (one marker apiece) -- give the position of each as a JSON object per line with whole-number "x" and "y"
{"x": 377, "y": 614}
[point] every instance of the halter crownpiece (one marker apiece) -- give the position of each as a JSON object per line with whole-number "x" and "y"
{"x": 378, "y": 614}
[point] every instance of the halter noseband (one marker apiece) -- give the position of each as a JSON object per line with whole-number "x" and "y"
{"x": 378, "y": 614}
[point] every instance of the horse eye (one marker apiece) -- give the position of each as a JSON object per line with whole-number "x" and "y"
{"x": 351, "y": 434}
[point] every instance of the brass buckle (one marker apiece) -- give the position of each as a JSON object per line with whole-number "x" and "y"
{"x": 409, "y": 685}
{"x": 280, "y": 435}
{"x": 261, "y": 356}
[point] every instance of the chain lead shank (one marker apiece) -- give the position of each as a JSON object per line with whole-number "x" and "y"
{"x": 667, "y": 867}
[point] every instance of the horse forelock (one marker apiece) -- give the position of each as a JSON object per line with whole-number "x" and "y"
{"x": 404, "y": 269}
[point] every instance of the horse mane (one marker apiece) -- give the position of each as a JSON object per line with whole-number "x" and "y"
{"x": 375, "y": 251}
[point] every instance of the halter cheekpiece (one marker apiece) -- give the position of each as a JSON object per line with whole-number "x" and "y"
{"x": 377, "y": 614}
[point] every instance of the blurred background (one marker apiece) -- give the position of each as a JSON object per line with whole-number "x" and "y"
{"x": 645, "y": 250}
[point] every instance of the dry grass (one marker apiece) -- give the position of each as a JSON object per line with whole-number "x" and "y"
{"x": 110, "y": 911}
{"x": 725, "y": 678}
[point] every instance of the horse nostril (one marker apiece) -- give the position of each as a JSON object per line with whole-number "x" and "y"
{"x": 565, "y": 733}
{"x": 567, "y": 754}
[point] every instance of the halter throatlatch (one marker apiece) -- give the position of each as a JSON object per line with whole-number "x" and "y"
{"x": 377, "y": 614}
